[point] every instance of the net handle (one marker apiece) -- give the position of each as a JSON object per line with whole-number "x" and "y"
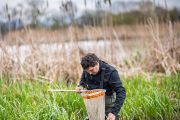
{"x": 66, "y": 90}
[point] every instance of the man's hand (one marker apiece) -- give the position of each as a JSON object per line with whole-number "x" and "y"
{"x": 78, "y": 89}
{"x": 111, "y": 116}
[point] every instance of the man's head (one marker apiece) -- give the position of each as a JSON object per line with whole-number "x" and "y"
{"x": 90, "y": 63}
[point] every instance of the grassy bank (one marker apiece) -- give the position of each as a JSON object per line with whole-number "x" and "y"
{"x": 155, "y": 97}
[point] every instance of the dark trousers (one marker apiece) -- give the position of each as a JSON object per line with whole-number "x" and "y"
{"x": 109, "y": 104}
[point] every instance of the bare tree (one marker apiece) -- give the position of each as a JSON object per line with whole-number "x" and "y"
{"x": 101, "y": 6}
{"x": 36, "y": 8}
{"x": 107, "y": 1}
{"x": 70, "y": 9}
{"x": 5, "y": 12}
{"x": 12, "y": 19}
{"x": 99, "y": 3}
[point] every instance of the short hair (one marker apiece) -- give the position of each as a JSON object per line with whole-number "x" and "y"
{"x": 89, "y": 60}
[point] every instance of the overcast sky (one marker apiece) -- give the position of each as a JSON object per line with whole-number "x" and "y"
{"x": 54, "y": 4}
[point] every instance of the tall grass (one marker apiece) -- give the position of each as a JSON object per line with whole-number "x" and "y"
{"x": 164, "y": 54}
{"x": 151, "y": 47}
{"x": 30, "y": 100}
{"x": 156, "y": 97}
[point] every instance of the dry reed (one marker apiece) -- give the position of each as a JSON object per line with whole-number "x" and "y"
{"x": 55, "y": 55}
{"x": 164, "y": 55}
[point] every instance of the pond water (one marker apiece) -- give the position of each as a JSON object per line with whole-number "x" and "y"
{"x": 116, "y": 49}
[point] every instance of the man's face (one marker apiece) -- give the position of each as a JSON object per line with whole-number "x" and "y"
{"x": 93, "y": 70}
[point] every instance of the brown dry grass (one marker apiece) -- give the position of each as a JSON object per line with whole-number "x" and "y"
{"x": 159, "y": 42}
{"x": 87, "y": 33}
{"x": 164, "y": 55}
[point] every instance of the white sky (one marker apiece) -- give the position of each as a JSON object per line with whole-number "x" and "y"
{"x": 54, "y": 4}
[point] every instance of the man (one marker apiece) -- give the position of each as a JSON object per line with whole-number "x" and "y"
{"x": 98, "y": 74}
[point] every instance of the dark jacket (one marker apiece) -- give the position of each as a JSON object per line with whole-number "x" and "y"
{"x": 111, "y": 82}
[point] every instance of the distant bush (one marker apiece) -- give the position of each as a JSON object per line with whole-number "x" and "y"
{"x": 132, "y": 17}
